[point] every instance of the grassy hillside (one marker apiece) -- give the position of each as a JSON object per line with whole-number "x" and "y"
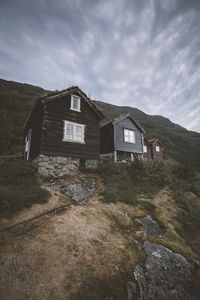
{"x": 19, "y": 187}
{"x": 91, "y": 251}
{"x": 17, "y": 100}
{"x": 136, "y": 185}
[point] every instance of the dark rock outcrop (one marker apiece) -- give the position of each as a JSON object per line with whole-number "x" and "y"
{"x": 166, "y": 276}
{"x": 80, "y": 192}
{"x": 149, "y": 226}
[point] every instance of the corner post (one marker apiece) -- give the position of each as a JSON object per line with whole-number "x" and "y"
{"x": 132, "y": 159}
{"x": 115, "y": 156}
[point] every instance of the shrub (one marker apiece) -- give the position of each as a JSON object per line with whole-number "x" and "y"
{"x": 19, "y": 187}
{"x": 183, "y": 172}
{"x": 124, "y": 183}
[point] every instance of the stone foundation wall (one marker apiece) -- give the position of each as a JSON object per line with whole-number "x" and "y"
{"x": 91, "y": 164}
{"x": 57, "y": 166}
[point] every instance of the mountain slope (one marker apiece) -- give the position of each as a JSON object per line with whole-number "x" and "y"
{"x": 180, "y": 144}
{"x": 17, "y": 99}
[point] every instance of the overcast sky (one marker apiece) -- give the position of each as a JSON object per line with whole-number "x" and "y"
{"x": 140, "y": 53}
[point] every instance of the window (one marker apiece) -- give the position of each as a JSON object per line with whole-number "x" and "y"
{"x": 73, "y": 132}
{"x": 75, "y": 103}
{"x": 145, "y": 149}
{"x": 157, "y": 149}
{"x": 129, "y": 136}
{"x": 28, "y": 144}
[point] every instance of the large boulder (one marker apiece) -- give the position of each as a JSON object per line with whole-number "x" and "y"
{"x": 166, "y": 276}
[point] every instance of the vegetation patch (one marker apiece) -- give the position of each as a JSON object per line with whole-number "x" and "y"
{"x": 125, "y": 183}
{"x": 19, "y": 187}
{"x": 138, "y": 184}
{"x": 106, "y": 287}
{"x": 91, "y": 251}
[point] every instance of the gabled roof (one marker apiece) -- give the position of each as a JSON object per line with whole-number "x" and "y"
{"x": 52, "y": 96}
{"x": 121, "y": 117}
{"x": 153, "y": 141}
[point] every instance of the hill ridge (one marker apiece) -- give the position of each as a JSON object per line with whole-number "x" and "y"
{"x": 17, "y": 100}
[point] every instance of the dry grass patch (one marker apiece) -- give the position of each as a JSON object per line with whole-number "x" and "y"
{"x": 60, "y": 255}
{"x": 166, "y": 214}
{"x": 55, "y": 200}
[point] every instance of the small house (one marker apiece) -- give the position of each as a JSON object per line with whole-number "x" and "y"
{"x": 63, "y": 131}
{"x": 153, "y": 149}
{"x": 121, "y": 139}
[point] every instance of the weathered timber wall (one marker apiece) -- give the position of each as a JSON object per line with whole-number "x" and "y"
{"x": 120, "y": 144}
{"x": 35, "y": 124}
{"x": 53, "y": 129}
{"x": 157, "y": 155}
{"x": 107, "y": 139}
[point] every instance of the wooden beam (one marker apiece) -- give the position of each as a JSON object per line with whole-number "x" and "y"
{"x": 115, "y": 156}
{"x": 132, "y": 158}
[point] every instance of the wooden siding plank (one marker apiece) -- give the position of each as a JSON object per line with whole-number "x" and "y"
{"x": 53, "y": 127}
{"x": 120, "y": 144}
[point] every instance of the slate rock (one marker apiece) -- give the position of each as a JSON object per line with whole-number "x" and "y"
{"x": 80, "y": 192}
{"x": 166, "y": 276}
{"x": 149, "y": 226}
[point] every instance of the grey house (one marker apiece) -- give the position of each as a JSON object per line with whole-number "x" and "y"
{"x": 121, "y": 138}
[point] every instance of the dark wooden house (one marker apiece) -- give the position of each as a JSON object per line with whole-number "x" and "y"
{"x": 121, "y": 138}
{"x": 153, "y": 149}
{"x": 64, "y": 124}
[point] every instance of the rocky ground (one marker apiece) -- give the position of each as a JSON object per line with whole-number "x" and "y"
{"x": 96, "y": 250}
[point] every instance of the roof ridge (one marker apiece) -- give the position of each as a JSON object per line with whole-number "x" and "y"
{"x": 121, "y": 117}
{"x": 57, "y": 92}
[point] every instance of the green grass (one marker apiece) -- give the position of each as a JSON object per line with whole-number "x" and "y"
{"x": 126, "y": 183}
{"x": 106, "y": 287}
{"x": 19, "y": 187}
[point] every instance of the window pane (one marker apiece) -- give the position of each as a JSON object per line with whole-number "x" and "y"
{"x": 79, "y": 133}
{"x": 69, "y": 131}
{"x": 74, "y": 132}
{"x": 129, "y": 136}
{"x": 145, "y": 149}
{"x": 126, "y": 135}
{"x": 157, "y": 149}
{"x": 27, "y": 146}
{"x": 75, "y": 102}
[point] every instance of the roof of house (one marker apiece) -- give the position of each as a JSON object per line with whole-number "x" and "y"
{"x": 49, "y": 97}
{"x": 153, "y": 141}
{"x": 121, "y": 117}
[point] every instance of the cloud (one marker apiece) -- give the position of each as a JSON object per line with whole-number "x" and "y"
{"x": 139, "y": 53}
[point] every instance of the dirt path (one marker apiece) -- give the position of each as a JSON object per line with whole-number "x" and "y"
{"x": 52, "y": 257}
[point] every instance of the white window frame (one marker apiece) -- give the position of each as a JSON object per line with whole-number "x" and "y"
{"x": 127, "y": 132}
{"x": 73, "y": 97}
{"x": 28, "y": 144}
{"x": 157, "y": 148}
{"x": 74, "y": 139}
{"x": 145, "y": 149}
